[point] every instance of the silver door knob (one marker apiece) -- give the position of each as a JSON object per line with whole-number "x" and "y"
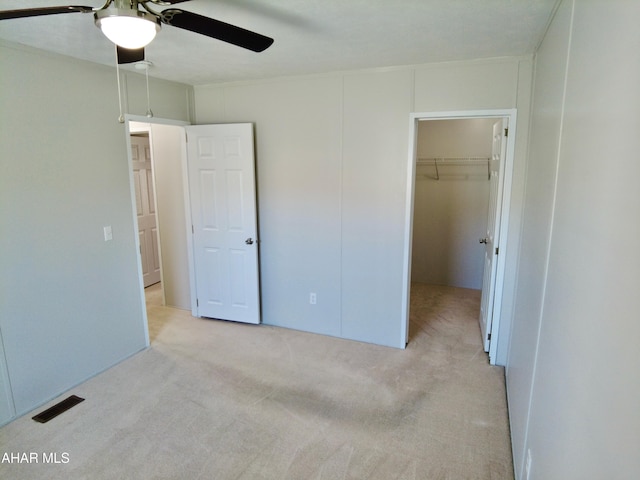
{"x": 249, "y": 241}
{"x": 484, "y": 240}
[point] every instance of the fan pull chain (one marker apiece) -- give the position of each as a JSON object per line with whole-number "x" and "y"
{"x": 121, "y": 117}
{"x": 149, "y": 112}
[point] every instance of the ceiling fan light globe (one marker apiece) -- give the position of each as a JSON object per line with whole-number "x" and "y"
{"x": 127, "y": 28}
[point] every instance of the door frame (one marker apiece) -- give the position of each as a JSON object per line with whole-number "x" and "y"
{"x": 128, "y": 118}
{"x": 509, "y": 161}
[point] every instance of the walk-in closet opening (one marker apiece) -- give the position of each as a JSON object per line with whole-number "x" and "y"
{"x": 451, "y": 202}
{"x": 458, "y": 199}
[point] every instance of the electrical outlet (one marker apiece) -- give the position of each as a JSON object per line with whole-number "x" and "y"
{"x": 312, "y": 298}
{"x": 527, "y": 465}
{"x": 108, "y": 233}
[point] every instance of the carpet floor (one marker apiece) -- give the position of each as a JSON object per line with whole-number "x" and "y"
{"x": 220, "y": 400}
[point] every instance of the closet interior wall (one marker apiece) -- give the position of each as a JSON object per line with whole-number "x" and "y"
{"x": 450, "y": 207}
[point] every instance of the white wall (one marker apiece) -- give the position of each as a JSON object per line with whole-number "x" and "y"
{"x": 541, "y": 170}
{"x": 166, "y": 141}
{"x": 573, "y": 379}
{"x": 71, "y": 303}
{"x": 298, "y": 156}
{"x": 450, "y": 213}
{"x": 332, "y": 156}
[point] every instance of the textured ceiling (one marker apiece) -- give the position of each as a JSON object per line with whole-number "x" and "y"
{"x": 311, "y": 36}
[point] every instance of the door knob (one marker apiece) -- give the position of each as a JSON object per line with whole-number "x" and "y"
{"x": 249, "y": 241}
{"x": 484, "y": 240}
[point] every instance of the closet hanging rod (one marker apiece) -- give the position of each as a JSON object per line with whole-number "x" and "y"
{"x": 450, "y": 160}
{"x": 455, "y": 161}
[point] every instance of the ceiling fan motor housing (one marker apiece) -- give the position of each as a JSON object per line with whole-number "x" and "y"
{"x": 127, "y": 26}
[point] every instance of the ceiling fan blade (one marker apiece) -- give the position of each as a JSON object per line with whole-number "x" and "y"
{"x": 36, "y": 12}
{"x": 216, "y": 29}
{"x": 128, "y": 55}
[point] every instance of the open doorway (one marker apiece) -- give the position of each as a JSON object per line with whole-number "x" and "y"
{"x": 204, "y": 181}
{"x": 458, "y": 193}
{"x": 166, "y": 148}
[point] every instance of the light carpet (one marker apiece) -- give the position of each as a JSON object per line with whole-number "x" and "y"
{"x": 220, "y": 400}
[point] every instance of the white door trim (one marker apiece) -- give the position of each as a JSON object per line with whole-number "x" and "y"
{"x": 414, "y": 118}
{"x": 128, "y": 118}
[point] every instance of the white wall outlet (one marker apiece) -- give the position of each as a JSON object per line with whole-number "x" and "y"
{"x": 527, "y": 465}
{"x": 108, "y": 233}
{"x": 312, "y": 298}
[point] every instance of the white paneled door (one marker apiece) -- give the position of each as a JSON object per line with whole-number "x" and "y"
{"x": 496, "y": 169}
{"x": 145, "y": 206}
{"x": 221, "y": 173}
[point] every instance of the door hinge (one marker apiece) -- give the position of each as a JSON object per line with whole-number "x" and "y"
{"x": 497, "y": 250}
{"x": 506, "y": 132}
{"x": 193, "y": 230}
{"x": 488, "y": 336}
{"x": 197, "y": 303}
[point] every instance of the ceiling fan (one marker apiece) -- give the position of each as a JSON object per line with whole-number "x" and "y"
{"x": 132, "y": 28}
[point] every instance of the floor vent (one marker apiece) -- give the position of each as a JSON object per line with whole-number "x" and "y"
{"x": 57, "y": 409}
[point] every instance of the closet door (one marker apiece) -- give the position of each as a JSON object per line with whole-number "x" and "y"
{"x": 498, "y": 151}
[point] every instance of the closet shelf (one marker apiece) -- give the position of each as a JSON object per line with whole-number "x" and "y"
{"x": 455, "y": 161}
